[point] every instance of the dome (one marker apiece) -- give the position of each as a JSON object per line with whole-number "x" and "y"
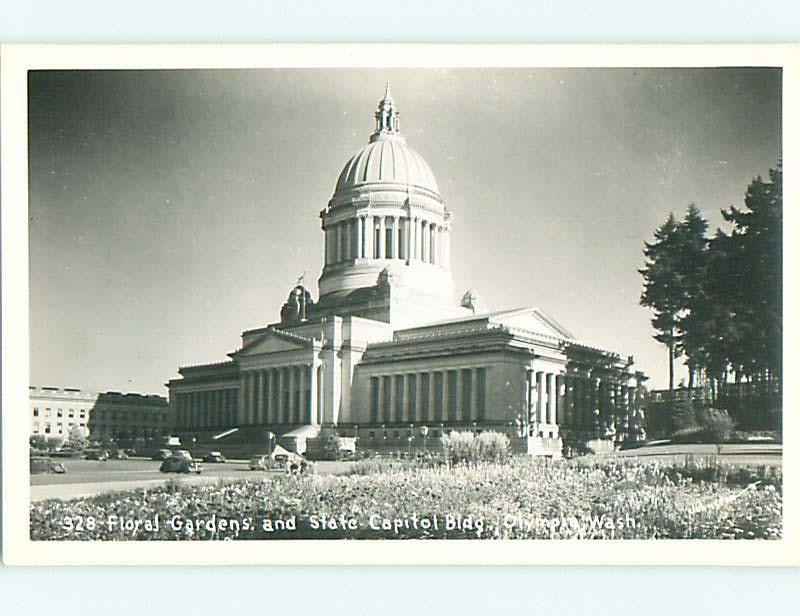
{"x": 387, "y": 160}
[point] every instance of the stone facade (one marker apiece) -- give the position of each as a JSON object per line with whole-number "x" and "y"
{"x": 386, "y": 354}
{"x": 54, "y": 412}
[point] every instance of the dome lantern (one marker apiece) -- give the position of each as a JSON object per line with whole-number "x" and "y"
{"x": 387, "y": 118}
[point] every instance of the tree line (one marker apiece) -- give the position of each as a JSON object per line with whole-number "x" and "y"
{"x": 717, "y": 301}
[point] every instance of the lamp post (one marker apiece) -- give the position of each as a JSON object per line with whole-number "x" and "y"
{"x": 194, "y": 440}
{"x": 424, "y": 433}
{"x": 410, "y": 435}
{"x": 270, "y": 436}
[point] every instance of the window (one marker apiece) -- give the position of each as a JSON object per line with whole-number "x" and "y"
{"x": 47, "y": 428}
{"x": 83, "y": 413}
{"x": 60, "y": 428}
{"x": 83, "y": 425}
{"x": 72, "y": 412}
{"x": 36, "y": 412}
{"x": 60, "y": 413}
{"x": 47, "y": 412}
{"x": 36, "y": 427}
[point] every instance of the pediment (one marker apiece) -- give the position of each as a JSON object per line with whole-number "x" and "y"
{"x": 272, "y": 341}
{"x": 534, "y": 320}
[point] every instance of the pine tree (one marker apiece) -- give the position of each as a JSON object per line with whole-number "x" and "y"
{"x": 662, "y": 288}
{"x": 691, "y": 256}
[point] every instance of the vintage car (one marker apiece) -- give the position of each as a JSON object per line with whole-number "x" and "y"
{"x": 96, "y": 454}
{"x": 118, "y": 454}
{"x": 42, "y": 464}
{"x": 260, "y": 462}
{"x": 214, "y": 456}
{"x": 162, "y": 454}
{"x": 180, "y": 464}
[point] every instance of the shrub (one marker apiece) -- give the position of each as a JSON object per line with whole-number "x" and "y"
{"x": 717, "y": 425}
{"x": 465, "y": 447}
{"x": 493, "y": 446}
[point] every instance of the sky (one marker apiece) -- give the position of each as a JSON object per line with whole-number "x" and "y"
{"x": 171, "y": 210}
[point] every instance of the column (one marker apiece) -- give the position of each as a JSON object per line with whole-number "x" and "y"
{"x": 409, "y": 223}
{"x": 369, "y": 233}
{"x": 552, "y": 394}
{"x": 447, "y": 247}
{"x": 417, "y": 242}
{"x": 327, "y": 250}
{"x": 530, "y": 396}
{"x": 259, "y": 395}
{"x": 381, "y": 244}
{"x": 292, "y": 411}
{"x": 253, "y": 394}
{"x": 560, "y": 399}
{"x": 569, "y": 400}
{"x": 338, "y": 235}
{"x": 281, "y": 411}
{"x": 395, "y": 237}
{"x": 423, "y": 244}
{"x": 273, "y": 383}
{"x": 432, "y": 249}
{"x": 313, "y": 394}
{"x": 540, "y": 397}
{"x": 439, "y": 245}
{"x": 473, "y": 396}
{"x": 301, "y": 412}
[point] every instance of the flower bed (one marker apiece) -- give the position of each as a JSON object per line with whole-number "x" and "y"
{"x": 524, "y": 499}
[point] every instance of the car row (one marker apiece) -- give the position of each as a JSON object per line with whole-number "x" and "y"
{"x": 43, "y": 464}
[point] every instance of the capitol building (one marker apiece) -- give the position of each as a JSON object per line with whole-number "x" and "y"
{"x": 391, "y": 353}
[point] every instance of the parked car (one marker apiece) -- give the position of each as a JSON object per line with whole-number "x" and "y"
{"x": 42, "y": 464}
{"x": 130, "y": 452}
{"x": 214, "y": 456}
{"x": 260, "y": 462}
{"x": 118, "y": 454}
{"x": 96, "y": 454}
{"x": 179, "y": 464}
{"x": 162, "y": 454}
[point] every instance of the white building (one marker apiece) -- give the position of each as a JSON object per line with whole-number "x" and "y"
{"x": 387, "y": 353}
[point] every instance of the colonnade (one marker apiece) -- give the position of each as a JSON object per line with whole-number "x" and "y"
{"x": 388, "y": 237}
{"x": 282, "y": 395}
{"x": 205, "y": 409}
{"x": 578, "y": 401}
{"x": 457, "y": 395}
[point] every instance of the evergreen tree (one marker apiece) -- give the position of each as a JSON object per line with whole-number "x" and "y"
{"x": 756, "y": 241}
{"x": 662, "y": 287}
{"x": 691, "y": 255}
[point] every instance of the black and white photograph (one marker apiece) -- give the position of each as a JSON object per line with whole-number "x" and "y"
{"x": 511, "y": 304}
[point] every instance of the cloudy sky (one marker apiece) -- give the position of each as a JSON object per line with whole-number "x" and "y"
{"x": 170, "y": 210}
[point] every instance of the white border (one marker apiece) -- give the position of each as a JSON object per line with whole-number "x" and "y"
{"x": 16, "y": 60}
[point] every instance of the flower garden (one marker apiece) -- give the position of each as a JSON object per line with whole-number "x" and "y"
{"x": 520, "y": 499}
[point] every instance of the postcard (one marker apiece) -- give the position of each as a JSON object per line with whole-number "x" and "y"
{"x": 398, "y": 304}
